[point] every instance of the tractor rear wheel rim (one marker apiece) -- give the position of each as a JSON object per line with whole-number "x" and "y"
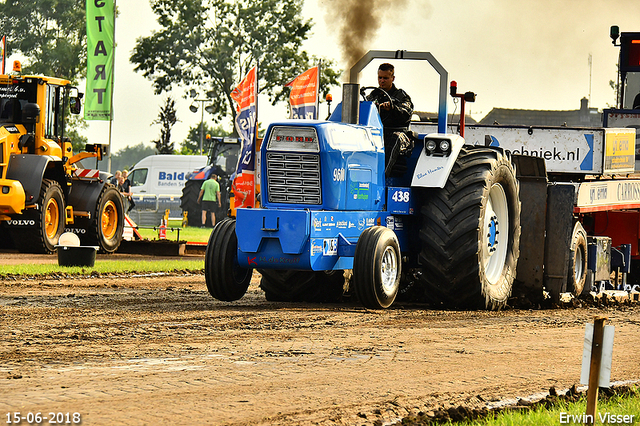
{"x": 579, "y": 264}
{"x": 51, "y": 218}
{"x": 496, "y": 233}
{"x": 109, "y": 220}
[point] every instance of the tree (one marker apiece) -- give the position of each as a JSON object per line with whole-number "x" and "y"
{"x": 615, "y": 85}
{"x": 211, "y": 45}
{"x": 74, "y": 124}
{"x": 167, "y": 118}
{"x": 52, "y": 37}
{"x": 127, "y": 157}
{"x": 50, "y": 34}
{"x": 191, "y": 145}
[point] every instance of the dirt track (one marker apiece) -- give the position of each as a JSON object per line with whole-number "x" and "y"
{"x": 160, "y": 350}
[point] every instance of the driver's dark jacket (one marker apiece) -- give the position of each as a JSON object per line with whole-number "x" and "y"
{"x": 399, "y": 116}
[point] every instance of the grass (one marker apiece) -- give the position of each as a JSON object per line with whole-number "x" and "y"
{"x": 103, "y": 267}
{"x": 615, "y": 406}
{"x": 188, "y": 233}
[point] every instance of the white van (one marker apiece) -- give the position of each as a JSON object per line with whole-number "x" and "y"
{"x": 164, "y": 174}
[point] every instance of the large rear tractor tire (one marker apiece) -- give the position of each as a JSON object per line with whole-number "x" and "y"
{"x": 377, "y": 267}
{"x": 107, "y": 223}
{"x": 302, "y": 286}
{"x": 225, "y": 279}
{"x": 471, "y": 233}
{"x": 189, "y": 202}
{"x": 48, "y": 219}
{"x": 577, "y": 275}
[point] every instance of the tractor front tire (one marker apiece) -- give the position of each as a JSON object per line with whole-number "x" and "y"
{"x": 107, "y": 223}
{"x": 377, "y": 266}
{"x": 48, "y": 218}
{"x": 470, "y": 233}
{"x": 226, "y": 279}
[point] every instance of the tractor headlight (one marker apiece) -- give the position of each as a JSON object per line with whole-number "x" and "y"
{"x": 437, "y": 147}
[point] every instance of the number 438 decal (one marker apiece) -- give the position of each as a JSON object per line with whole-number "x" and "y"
{"x": 400, "y": 196}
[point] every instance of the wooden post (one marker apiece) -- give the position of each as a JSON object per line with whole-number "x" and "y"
{"x": 594, "y": 369}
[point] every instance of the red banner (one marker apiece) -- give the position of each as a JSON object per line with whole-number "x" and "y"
{"x": 304, "y": 94}
{"x": 246, "y": 95}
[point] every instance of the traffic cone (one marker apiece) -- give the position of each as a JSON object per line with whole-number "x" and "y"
{"x": 162, "y": 231}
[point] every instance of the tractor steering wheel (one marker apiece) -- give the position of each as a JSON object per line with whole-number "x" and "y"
{"x": 374, "y": 90}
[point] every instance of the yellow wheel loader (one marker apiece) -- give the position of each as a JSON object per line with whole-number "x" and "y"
{"x": 44, "y": 190}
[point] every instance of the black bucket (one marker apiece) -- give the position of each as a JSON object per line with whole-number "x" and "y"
{"x": 76, "y": 256}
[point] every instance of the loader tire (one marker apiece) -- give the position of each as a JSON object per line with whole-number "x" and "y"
{"x": 470, "y": 233}
{"x": 5, "y": 238}
{"x": 377, "y": 267}
{"x": 302, "y": 286}
{"x": 226, "y": 279}
{"x": 577, "y": 275}
{"x": 48, "y": 218}
{"x": 107, "y": 222}
{"x": 189, "y": 202}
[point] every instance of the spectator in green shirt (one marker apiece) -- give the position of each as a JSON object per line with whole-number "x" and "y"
{"x": 210, "y": 196}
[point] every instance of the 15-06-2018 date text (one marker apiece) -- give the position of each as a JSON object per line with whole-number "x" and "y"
{"x": 51, "y": 418}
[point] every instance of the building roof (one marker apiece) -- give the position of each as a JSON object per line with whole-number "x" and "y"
{"x": 583, "y": 117}
{"x": 432, "y": 117}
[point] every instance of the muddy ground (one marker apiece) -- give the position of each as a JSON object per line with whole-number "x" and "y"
{"x": 160, "y": 350}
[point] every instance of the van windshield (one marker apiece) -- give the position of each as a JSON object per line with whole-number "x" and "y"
{"x": 138, "y": 177}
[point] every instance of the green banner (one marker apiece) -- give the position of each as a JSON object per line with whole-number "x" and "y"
{"x": 100, "y": 56}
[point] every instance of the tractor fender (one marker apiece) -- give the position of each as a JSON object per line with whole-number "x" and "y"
{"x": 84, "y": 194}
{"x": 105, "y": 176}
{"x": 432, "y": 171}
{"x": 83, "y": 197}
{"x": 203, "y": 173}
{"x": 31, "y": 169}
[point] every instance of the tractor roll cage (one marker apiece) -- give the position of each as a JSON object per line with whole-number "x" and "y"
{"x": 403, "y": 54}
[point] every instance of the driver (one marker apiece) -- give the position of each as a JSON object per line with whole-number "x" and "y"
{"x": 395, "y": 115}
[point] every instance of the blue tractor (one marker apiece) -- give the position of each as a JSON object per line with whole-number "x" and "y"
{"x": 222, "y": 160}
{"x": 445, "y": 224}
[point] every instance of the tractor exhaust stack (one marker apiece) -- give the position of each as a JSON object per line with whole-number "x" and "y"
{"x": 350, "y": 103}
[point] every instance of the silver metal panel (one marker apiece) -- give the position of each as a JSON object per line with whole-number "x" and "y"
{"x": 294, "y": 178}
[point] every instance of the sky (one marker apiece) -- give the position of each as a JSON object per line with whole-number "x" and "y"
{"x": 522, "y": 54}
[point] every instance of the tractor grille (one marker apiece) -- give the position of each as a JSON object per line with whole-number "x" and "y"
{"x": 294, "y": 178}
